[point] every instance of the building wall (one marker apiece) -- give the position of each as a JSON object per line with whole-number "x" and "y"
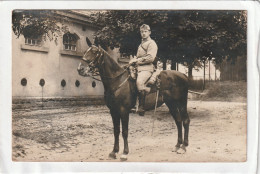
{"x": 52, "y": 64}
{"x": 199, "y": 74}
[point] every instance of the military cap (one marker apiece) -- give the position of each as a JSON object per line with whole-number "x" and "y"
{"x": 145, "y": 27}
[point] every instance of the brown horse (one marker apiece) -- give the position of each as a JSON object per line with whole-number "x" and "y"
{"x": 121, "y": 94}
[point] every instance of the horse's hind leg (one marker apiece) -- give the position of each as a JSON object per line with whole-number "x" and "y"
{"x": 116, "y": 124}
{"x": 125, "y": 121}
{"x": 177, "y": 118}
{"x": 186, "y": 123}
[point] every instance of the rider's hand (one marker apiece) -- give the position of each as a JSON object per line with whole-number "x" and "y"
{"x": 132, "y": 61}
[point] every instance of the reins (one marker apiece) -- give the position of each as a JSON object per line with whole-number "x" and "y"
{"x": 95, "y": 78}
{"x": 125, "y": 69}
{"x": 97, "y": 60}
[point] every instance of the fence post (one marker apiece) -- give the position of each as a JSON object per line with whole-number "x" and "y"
{"x": 204, "y": 75}
{"x": 232, "y": 72}
{"x": 215, "y": 73}
{"x": 209, "y": 70}
{"x": 164, "y": 64}
{"x": 173, "y": 65}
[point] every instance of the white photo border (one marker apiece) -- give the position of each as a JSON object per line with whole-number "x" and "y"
{"x": 8, "y": 166}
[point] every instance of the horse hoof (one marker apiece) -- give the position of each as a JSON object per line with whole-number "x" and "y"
{"x": 181, "y": 150}
{"x": 123, "y": 157}
{"x": 141, "y": 113}
{"x": 112, "y": 155}
{"x": 176, "y": 149}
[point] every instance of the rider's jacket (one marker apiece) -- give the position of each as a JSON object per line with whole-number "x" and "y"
{"x": 146, "y": 54}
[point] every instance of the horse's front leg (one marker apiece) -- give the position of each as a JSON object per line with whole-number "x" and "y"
{"x": 124, "y": 121}
{"x": 116, "y": 124}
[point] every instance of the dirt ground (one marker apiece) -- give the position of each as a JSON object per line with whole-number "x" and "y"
{"x": 217, "y": 134}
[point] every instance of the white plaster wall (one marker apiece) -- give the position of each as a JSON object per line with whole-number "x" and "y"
{"x": 52, "y": 67}
{"x": 197, "y": 75}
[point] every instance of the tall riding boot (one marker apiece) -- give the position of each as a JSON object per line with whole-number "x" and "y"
{"x": 141, "y": 109}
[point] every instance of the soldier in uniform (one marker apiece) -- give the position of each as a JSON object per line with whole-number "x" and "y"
{"x": 146, "y": 54}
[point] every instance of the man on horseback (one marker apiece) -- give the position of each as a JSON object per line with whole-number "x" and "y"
{"x": 146, "y": 54}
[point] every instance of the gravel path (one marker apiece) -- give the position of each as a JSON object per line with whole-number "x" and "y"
{"x": 217, "y": 133}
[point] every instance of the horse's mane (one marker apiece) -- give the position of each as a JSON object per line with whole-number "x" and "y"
{"x": 112, "y": 62}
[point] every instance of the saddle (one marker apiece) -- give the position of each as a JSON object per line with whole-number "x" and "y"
{"x": 152, "y": 83}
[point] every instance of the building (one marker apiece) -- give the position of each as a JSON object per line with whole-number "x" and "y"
{"x": 47, "y": 70}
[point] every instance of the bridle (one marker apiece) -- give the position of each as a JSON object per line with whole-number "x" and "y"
{"x": 99, "y": 61}
{"x": 93, "y": 64}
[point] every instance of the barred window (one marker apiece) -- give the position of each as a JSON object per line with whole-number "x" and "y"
{"x": 70, "y": 41}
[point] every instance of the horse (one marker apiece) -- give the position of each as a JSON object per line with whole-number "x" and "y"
{"x": 120, "y": 94}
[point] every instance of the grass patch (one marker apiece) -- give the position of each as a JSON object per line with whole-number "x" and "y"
{"x": 196, "y": 85}
{"x": 226, "y": 91}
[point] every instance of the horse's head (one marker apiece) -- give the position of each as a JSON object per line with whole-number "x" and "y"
{"x": 90, "y": 60}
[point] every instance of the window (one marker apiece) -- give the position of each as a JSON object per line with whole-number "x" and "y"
{"x": 70, "y": 41}
{"x": 33, "y": 35}
{"x": 24, "y": 82}
{"x": 63, "y": 83}
{"x": 77, "y": 83}
{"x": 42, "y": 82}
{"x": 94, "y": 84}
{"x": 32, "y": 41}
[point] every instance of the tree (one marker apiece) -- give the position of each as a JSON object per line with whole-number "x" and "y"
{"x": 182, "y": 36}
{"x": 34, "y": 23}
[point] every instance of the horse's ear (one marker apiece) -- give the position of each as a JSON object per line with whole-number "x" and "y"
{"x": 88, "y": 42}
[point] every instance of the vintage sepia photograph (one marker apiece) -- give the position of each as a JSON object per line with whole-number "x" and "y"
{"x": 129, "y": 85}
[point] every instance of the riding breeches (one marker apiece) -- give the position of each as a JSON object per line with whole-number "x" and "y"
{"x": 142, "y": 78}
